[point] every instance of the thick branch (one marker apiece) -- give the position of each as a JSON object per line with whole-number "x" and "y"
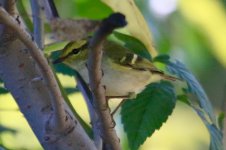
{"x": 48, "y": 76}
{"x": 95, "y": 75}
{"x": 21, "y": 77}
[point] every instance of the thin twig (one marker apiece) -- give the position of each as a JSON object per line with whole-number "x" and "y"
{"x": 51, "y": 12}
{"x": 48, "y": 76}
{"x": 92, "y": 112}
{"x": 95, "y": 75}
{"x": 50, "y": 9}
{"x": 38, "y": 15}
{"x": 118, "y": 106}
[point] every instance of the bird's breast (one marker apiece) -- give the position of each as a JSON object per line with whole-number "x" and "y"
{"x": 120, "y": 80}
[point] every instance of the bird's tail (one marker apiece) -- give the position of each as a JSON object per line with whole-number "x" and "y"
{"x": 169, "y": 77}
{"x": 165, "y": 76}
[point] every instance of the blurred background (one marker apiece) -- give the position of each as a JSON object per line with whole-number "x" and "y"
{"x": 191, "y": 31}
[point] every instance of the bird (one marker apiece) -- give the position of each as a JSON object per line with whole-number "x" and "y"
{"x": 125, "y": 73}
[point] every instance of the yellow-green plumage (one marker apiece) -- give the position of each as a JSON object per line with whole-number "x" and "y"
{"x": 124, "y": 73}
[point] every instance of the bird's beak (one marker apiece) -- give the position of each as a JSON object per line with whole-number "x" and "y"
{"x": 60, "y": 60}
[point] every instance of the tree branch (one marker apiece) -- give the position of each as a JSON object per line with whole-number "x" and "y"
{"x": 52, "y": 13}
{"x": 94, "y": 118}
{"x": 38, "y": 16}
{"x": 22, "y": 78}
{"x": 48, "y": 76}
{"x": 51, "y": 10}
{"x": 95, "y": 75}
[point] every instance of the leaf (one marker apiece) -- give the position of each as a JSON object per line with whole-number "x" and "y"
{"x": 205, "y": 110}
{"x": 130, "y": 43}
{"x": 220, "y": 120}
{"x": 70, "y": 90}
{"x": 216, "y": 135}
{"x": 162, "y": 58}
{"x": 3, "y": 90}
{"x": 92, "y": 9}
{"x": 61, "y": 68}
{"x": 23, "y": 12}
{"x": 54, "y": 47}
{"x": 143, "y": 115}
{"x": 194, "y": 87}
{"x": 137, "y": 25}
{"x": 183, "y": 98}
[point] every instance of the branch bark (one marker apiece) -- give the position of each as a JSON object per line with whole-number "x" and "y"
{"x": 48, "y": 76}
{"x": 53, "y": 17}
{"x": 38, "y": 19}
{"x": 22, "y": 68}
{"x": 109, "y": 136}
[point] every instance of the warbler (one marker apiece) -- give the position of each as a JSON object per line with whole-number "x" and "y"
{"x": 125, "y": 74}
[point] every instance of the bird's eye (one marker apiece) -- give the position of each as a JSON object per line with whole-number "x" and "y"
{"x": 75, "y": 51}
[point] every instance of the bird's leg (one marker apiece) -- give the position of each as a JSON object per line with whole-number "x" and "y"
{"x": 120, "y": 104}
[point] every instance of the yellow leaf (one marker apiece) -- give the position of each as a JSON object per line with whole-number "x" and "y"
{"x": 137, "y": 25}
{"x": 210, "y": 17}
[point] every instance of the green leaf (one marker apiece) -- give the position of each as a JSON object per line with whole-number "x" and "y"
{"x": 2, "y": 89}
{"x": 183, "y": 98}
{"x": 145, "y": 114}
{"x": 23, "y": 12}
{"x": 70, "y": 90}
{"x": 162, "y": 58}
{"x": 54, "y": 47}
{"x": 205, "y": 110}
{"x": 92, "y": 9}
{"x": 61, "y": 68}
{"x": 216, "y": 135}
{"x": 194, "y": 87}
{"x": 137, "y": 25}
{"x": 131, "y": 43}
{"x": 220, "y": 120}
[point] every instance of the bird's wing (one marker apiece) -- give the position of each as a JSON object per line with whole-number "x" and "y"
{"x": 127, "y": 58}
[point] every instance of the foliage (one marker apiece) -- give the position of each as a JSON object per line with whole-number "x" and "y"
{"x": 145, "y": 114}
{"x": 135, "y": 20}
{"x": 2, "y": 89}
{"x": 78, "y": 8}
{"x": 131, "y": 43}
{"x": 204, "y": 109}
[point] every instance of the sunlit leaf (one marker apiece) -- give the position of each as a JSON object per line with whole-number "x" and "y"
{"x": 92, "y": 9}
{"x": 137, "y": 25}
{"x": 54, "y": 47}
{"x": 23, "y": 12}
{"x": 194, "y": 87}
{"x": 197, "y": 12}
{"x": 205, "y": 110}
{"x": 216, "y": 135}
{"x": 145, "y": 114}
{"x": 130, "y": 43}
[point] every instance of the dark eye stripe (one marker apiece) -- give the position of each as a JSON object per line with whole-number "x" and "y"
{"x": 77, "y": 50}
